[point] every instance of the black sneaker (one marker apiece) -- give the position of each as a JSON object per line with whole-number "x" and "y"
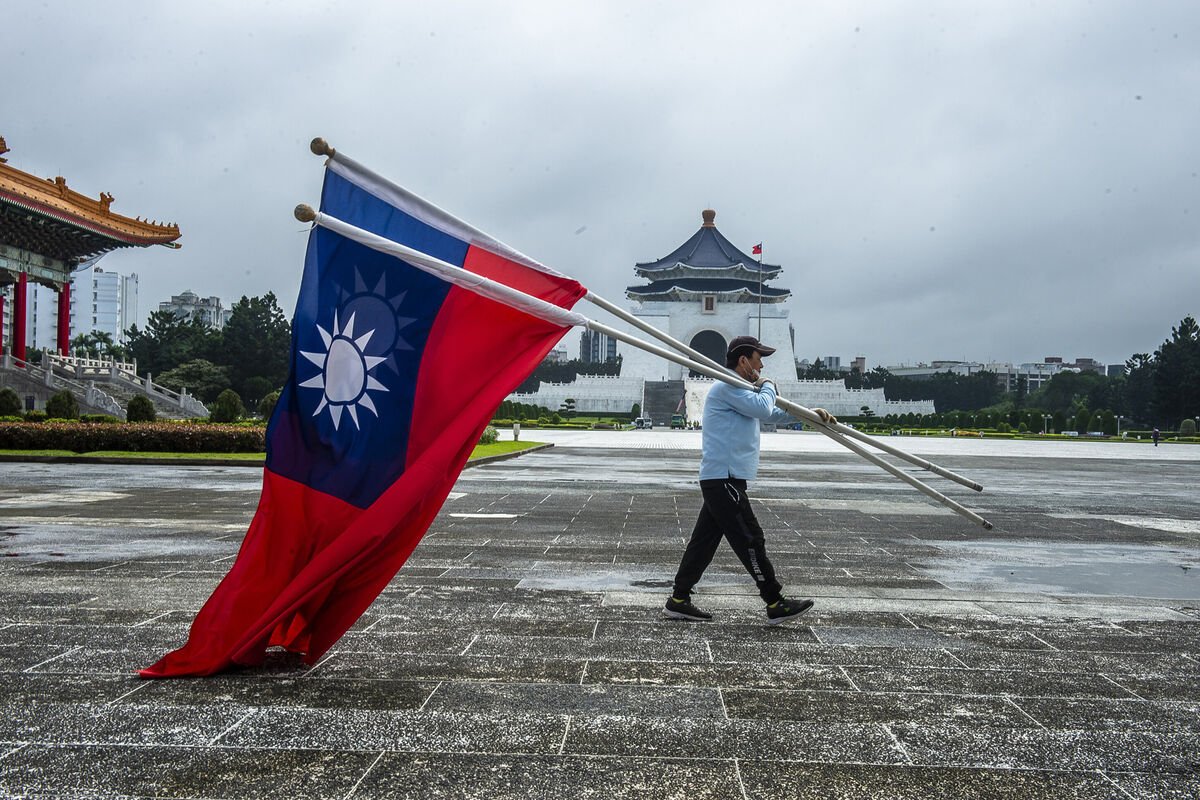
{"x": 785, "y": 610}
{"x": 683, "y": 609}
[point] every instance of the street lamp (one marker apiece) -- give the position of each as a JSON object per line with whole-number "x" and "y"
{"x": 1119, "y": 418}
{"x": 1045, "y": 422}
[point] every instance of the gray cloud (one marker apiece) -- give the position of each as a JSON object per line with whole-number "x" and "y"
{"x": 938, "y": 179}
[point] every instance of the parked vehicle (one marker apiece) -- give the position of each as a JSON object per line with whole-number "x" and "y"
{"x": 678, "y": 421}
{"x": 643, "y": 422}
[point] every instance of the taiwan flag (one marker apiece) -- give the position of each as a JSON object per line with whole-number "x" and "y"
{"x": 756, "y": 250}
{"x": 395, "y": 373}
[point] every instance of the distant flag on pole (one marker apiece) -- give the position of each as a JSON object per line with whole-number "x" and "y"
{"x": 757, "y": 250}
{"x": 395, "y": 374}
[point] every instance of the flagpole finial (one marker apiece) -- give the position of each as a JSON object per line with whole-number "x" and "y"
{"x": 304, "y": 212}
{"x": 709, "y": 216}
{"x": 320, "y": 147}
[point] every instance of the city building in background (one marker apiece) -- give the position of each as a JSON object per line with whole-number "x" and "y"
{"x": 597, "y": 348}
{"x": 190, "y": 305}
{"x": 1009, "y": 376}
{"x": 101, "y": 301}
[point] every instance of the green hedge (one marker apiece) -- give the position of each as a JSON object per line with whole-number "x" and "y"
{"x": 145, "y": 437}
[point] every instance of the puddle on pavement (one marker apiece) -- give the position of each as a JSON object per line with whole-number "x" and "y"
{"x": 1110, "y": 569}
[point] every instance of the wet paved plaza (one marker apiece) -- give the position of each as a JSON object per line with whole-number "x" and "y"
{"x": 520, "y": 652}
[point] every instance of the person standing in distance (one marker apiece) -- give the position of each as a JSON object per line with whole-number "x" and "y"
{"x": 730, "y": 444}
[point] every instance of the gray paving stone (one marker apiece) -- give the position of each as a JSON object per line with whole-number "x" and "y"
{"x": 734, "y": 738}
{"x": 17, "y": 688}
{"x": 408, "y": 731}
{"x": 83, "y": 723}
{"x": 578, "y": 700}
{"x": 590, "y": 650}
{"x": 414, "y": 621}
{"x": 266, "y": 692}
{"x": 180, "y": 772}
{"x": 1161, "y": 687}
{"x": 801, "y": 653}
{"x": 1096, "y": 713}
{"x": 1081, "y": 662}
{"x": 679, "y": 631}
{"x": 1026, "y": 748}
{"x": 766, "y": 780}
{"x": 1158, "y": 787}
{"x": 444, "y": 642}
{"x": 72, "y": 615}
{"x": 985, "y": 682}
{"x": 765, "y": 676}
{"x": 463, "y": 668}
{"x": 864, "y": 707}
{"x": 85, "y": 660}
{"x": 993, "y": 690}
{"x": 18, "y": 657}
{"x": 890, "y": 637}
{"x": 449, "y": 776}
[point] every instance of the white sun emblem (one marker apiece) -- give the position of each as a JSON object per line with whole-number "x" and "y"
{"x": 345, "y": 374}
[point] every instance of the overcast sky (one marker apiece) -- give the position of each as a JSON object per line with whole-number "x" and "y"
{"x": 958, "y": 180}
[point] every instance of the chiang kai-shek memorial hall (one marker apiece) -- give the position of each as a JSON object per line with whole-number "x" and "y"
{"x": 704, "y": 293}
{"x": 47, "y": 230}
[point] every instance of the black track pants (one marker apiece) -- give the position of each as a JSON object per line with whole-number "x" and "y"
{"x": 727, "y": 513}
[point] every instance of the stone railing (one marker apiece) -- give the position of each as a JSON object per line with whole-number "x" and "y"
{"x": 124, "y": 374}
{"x": 86, "y": 393}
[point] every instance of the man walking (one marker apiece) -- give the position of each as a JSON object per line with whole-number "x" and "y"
{"x": 730, "y": 444}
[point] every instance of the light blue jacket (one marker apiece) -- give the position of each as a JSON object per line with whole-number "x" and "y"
{"x": 730, "y": 432}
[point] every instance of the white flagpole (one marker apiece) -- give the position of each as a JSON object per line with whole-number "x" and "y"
{"x": 541, "y": 309}
{"x": 806, "y": 414}
{"x": 396, "y": 194}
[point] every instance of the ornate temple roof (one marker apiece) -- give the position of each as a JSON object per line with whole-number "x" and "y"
{"x": 695, "y": 288}
{"x": 46, "y": 217}
{"x": 707, "y": 251}
{"x": 707, "y": 264}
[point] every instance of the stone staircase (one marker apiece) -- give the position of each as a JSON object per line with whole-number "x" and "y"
{"x": 102, "y": 386}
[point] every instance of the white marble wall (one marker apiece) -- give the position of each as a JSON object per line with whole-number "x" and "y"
{"x": 609, "y": 395}
{"x": 593, "y": 394}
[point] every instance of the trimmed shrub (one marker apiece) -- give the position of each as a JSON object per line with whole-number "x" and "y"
{"x": 140, "y": 409}
{"x": 1187, "y": 427}
{"x": 148, "y": 437}
{"x": 266, "y": 406}
{"x": 228, "y": 407}
{"x": 93, "y": 418}
{"x": 62, "y": 405}
{"x": 10, "y": 403}
{"x": 35, "y": 416}
{"x": 489, "y": 436}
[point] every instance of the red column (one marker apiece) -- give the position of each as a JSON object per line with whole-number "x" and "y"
{"x": 20, "y": 312}
{"x": 64, "y": 319}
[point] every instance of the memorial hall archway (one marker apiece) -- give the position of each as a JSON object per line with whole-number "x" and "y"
{"x": 711, "y": 344}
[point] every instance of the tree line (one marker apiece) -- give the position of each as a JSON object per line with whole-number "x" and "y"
{"x": 566, "y": 372}
{"x": 1159, "y": 389}
{"x": 250, "y": 355}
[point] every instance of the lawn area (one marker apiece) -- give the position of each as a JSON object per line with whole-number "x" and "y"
{"x": 480, "y": 451}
